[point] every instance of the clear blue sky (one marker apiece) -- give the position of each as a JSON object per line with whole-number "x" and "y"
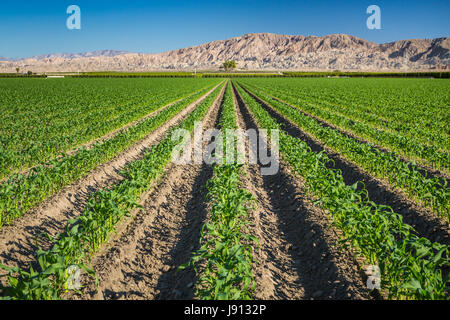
{"x": 33, "y": 27}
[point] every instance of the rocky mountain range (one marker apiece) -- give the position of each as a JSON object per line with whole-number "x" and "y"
{"x": 261, "y": 51}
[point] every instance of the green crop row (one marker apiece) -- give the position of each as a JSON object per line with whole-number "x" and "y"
{"x": 411, "y": 267}
{"x": 337, "y": 108}
{"x": 426, "y": 153}
{"x": 397, "y": 122}
{"x": 41, "y": 119}
{"x": 416, "y": 129}
{"x": 430, "y": 192}
{"x": 22, "y": 192}
{"x": 435, "y": 74}
{"x": 226, "y": 250}
{"x": 105, "y": 209}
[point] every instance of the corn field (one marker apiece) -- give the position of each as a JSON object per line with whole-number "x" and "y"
{"x": 87, "y": 181}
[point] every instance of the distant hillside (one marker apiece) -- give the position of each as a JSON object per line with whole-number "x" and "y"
{"x": 98, "y": 53}
{"x": 260, "y": 51}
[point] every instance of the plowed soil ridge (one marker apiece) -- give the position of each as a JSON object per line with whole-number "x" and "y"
{"x": 298, "y": 257}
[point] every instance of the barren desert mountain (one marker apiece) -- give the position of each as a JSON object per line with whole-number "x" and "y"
{"x": 260, "y": 51}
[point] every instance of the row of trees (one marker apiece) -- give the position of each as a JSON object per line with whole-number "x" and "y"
{"x": 28, "y": 72}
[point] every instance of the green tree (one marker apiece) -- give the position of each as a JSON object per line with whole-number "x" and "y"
{"x": 229, "y": 65}
{"x": 17, "y": 69}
